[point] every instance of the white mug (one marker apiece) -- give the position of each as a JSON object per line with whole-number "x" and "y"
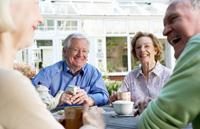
{"x": 73, "y": 88}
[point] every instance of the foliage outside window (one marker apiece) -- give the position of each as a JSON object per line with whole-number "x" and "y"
{"x": 116, "y": 50}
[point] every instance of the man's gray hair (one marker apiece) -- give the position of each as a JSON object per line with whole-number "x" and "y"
{"x": 195, "y": 3}
{"x": 67, "y": 41}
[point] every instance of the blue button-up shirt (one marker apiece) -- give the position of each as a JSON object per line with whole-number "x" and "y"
{"x": 58, "y": 76}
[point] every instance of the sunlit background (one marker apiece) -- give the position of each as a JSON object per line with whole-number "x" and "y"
{"x": 108, "y": 24}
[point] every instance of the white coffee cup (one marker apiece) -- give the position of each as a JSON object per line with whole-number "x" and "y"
{"x": 73, "y": 88}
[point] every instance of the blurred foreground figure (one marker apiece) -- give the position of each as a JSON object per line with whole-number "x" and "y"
{"x": 20, "y": 105}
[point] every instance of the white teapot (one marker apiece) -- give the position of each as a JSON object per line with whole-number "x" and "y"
{"x": 48, "y": 99}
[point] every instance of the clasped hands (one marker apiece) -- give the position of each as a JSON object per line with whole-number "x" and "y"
{"x": 69, "y": 98}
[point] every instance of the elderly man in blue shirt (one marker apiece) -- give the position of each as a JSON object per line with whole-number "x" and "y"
{"x": 74, "y": 71}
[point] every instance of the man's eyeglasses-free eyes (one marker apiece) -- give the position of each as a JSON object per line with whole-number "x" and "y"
{"x": 78, "y": 50}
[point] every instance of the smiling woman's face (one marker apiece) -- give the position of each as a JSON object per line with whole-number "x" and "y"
{"x": 145, "y": 50}
{"x": 26, "y": 16}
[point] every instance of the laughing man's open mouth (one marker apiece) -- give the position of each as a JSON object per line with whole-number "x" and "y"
{"x": 175, "y": 40}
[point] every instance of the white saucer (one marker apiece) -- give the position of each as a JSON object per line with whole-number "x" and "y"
{"x": 125, "y": 115}
{"x": 115, "y": 115}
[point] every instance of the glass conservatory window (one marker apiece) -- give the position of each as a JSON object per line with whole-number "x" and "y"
{"x": 138, "y": 25}
{"x": 116, "y": 27}
{"x": 21, "y": 56}
{"x": 116, "y": 54}
{"x": 45, "y": 8}
{"x": 47, "y": 27}
{"x": 25, "y": 55}
{"x": 158, "y": 26}
{"x": 86, "y": 7}
{"x": 64, "y": 8}
{"x": 91, "y": 27}
{"x": 99, "y": 53}
{"x": 67, "y": 26}
{"x": 107, "y": 8}
{"x": 61, "y": 43}
{"x": 46, "y": 52}
{"x": 133, "y": 9}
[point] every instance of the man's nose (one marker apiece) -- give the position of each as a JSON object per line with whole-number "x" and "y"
{"x": 167, "y": 30}
{"x": 80, "y": 53}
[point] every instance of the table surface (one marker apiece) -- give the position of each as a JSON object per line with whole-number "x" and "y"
{"x": 117, "y": 122}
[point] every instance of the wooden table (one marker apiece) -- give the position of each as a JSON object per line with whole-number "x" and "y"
{"x": 118, "y": 122}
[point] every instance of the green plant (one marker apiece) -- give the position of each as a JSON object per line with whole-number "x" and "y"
{"x": 112, "y": 85}
{"x": 106, "y": 74}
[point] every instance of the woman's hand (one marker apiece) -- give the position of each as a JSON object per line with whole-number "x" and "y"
{"x": 93, "y": 116}
{"x": 141, "y": 104}
{"x": 113, "y": 97}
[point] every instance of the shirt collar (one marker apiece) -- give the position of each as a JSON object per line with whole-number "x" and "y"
{"x": 157, "y": 69}
{"x": 66, "y": 68}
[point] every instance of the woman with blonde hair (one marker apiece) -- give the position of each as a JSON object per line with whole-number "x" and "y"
{"x": 20, "y": 104}
{"x": 146, "y": 82}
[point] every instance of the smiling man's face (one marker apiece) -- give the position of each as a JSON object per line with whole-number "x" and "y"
{"x": 181, "y": 22}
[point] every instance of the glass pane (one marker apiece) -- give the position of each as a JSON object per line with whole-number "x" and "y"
{"x": 64, "y": 8}
{"x": 74, "y": 23}
{"x": 116, "y": 54}
{"x": 86, "y": 7}
{"x": 67, "y": 23}
{"x": 163, "y": 60}
{"x": 44, "y": 42}
{"x": 131, "y": 27}
{"x": 123, "y": 27}
{"x": 158, "y": 26}
{"x": 46, "y": 52}
{"x": 50, "y": 22}
{"x": 74, "y": 29}
{"x": 134, "y": 64}
{"x": 61, "y": 42}
{"x": 116, "y": 27}
{"x": 109, "y": 27}
{"x": 67, "y": 29}
{"x": 99, "y": 54}
{"x": 144, "y": 27}
{"x": 67, "y": 26}
{"x": 59, "y": 23}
